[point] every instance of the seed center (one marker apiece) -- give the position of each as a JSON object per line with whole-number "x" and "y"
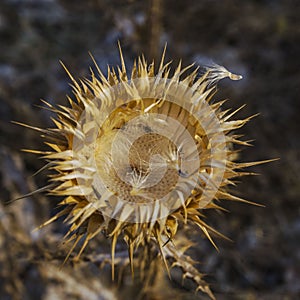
{"x": 140, "y": 171}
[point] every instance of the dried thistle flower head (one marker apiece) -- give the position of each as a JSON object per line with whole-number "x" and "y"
{"x": 137, "y": 155}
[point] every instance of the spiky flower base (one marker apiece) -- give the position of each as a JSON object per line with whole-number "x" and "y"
{"x": 136, "y": 157}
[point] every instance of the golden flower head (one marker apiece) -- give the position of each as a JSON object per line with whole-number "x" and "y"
{"x": 136, "y": 155}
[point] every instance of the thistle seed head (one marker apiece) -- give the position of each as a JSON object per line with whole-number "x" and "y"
{"x": 134, "y": 157}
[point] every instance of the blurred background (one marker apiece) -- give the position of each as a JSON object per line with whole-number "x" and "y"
{"x": 259, "y": 39}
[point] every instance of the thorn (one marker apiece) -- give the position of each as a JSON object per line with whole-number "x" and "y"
{"x": 163, "y": 58}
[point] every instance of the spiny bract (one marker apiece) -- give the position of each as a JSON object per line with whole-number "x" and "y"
{"x": 136, "y": 157}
